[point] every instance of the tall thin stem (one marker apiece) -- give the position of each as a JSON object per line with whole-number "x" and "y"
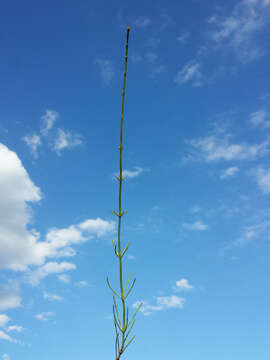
{"x": 125, "y": 326}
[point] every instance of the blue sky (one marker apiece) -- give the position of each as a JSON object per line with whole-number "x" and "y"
{"x": 196, "y": 157}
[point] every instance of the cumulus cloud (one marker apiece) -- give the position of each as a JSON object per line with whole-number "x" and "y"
{"x": 5, "y": 357}
{"x": 189, "y": 73}
{"x": 106, "y": 70}
{"x": 161, "y": 303}
{"x": 229, "y": 172}
{"x": 44, "y": 316}
{"x": 33, "y": 141}
{"x": 20, "y": 247}
{"x": 196, "y": 225}
{"x": 183, "y": 284}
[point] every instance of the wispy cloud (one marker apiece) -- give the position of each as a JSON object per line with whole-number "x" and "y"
{"x": 142, "y": 22}
{"x": 238, "y": 31}
{"x": 217, "y": 148}
{"x": 33, "y": 141}
{"x": 48, "y": 121}
{"x": 229, "y": 172}
{"x": 190, "y": 73}
{"x": 151, "y": 56}
{"x": 260, "y": 118}
{"x": 57, "y": 140}
{"x": 35, "y": 276}
{"x": 64, "y": 278}
{"x": 44, "y": 316}
{"x": 9, "y": 297}
{"x": 16, "y": 328}
{"x": 263, "y": 179}
{"x": 52, "y": 297}
{"x": 81, "y": 283}
{"x": 131, "y": 173}
{"x": 196, "y": 225}
{"x": 160, "y": 303}
{"x": 182, "y": 38}
{"x": 65, "y": 140}
{"x": 156, "y": 70}
{"x": 166, "y": 20}
{"x": 106, "y": 70}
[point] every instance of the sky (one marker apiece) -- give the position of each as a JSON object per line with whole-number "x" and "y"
{"x": 196, "y": 145}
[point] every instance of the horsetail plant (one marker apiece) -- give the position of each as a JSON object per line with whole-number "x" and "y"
{"x": 122, "y": 326}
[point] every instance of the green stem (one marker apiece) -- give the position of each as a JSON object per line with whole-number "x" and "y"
{"x": 120, "y": 199}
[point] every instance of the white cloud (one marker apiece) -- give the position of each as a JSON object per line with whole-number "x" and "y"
{"x": 35, "y": 276}
{"x": 106, "y": 70}
{"x": 9, "y": 297}
{"x": 33, "y": 142}
{"x": 252, "y": 233}
{"x": 4, "y": 319}
{"x": 182, "y": 38}
{"x": 5, "y": 336}
{"x": 196, "y": 225}
{"x": 183, "y": 284}
{"x": 214, "y": 148}
{"x": 48, "y": 121}
{"x": 49, "y": 296}
{"x": 44, "y": 316}
{"x": 65, "y": 140}
{"x": 82, "y": 283}
{"x": 5, "y": 357}
{"x": 132, "y": 173}
{"x": 16, "y": 241}
{"x": 231, "y": 171}
{"x": 16, "y": 328}
{"x": 97, "y": 227}
{"x": 189, "y": 73}
{"x": 142, "y": 22}
{"x": 161, "y": 303}
{"x": 239, "y": 30}
{"x": 64, "y": 278}
{"x": 195, "y": 209}
{"x": 260, "y": 118}
{"x": 263, "y": 179}
{"x": 20, "y": 246}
